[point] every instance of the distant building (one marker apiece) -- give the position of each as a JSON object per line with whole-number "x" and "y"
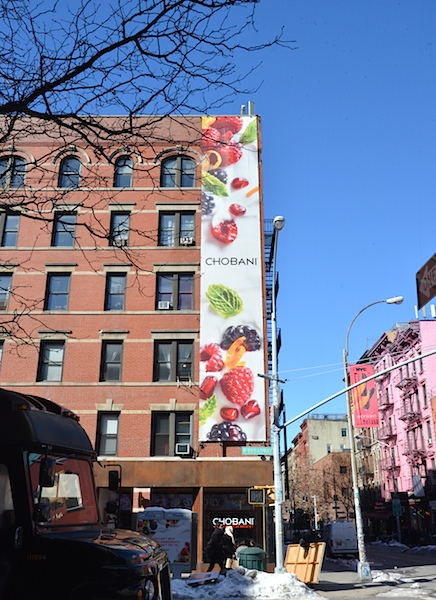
{"x": 320, "y": 435}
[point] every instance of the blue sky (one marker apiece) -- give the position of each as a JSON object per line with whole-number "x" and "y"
{"x": 349, "y": 156}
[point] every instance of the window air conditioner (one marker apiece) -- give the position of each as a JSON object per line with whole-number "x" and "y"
{"x": 183, "y": 449}
{"x": 163, "y": 305}
{"x": 119, "y": 242}
{"x": 186, "y": 240}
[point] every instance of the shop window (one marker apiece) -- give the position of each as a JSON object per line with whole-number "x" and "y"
{"x": 111, "y": 361}
{"x": 69, "y": 172}
{"x": 64, "y": 229}
{"x": 58, "y": 291}
{"x": 120, "y": 227}
{"x": 51, "y": 361}
{"x": 123, "y": 173}
{"x": 5, "y": 288}
{"x": 173, "y": 361}
{"x": 175, "y": 291}
{"x": 12, "y": 171}
{"x": 177, "y": 229}
{"x": 178, "y": 171}
{"x": 107, "y": 433}
{"x": 9, "y": 223}
{"x": 171, "y": 432}
{"x": 115, "y": 291}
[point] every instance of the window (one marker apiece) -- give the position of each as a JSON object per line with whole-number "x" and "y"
{"x": 112, "y": 353}
{"x": 12, "y": 172}
{"x": 178, "y": 171}
{"x": 58, "y": 289}
{"x": 64, "y": 229}
{"x": 329, "y": 448}
{"x": 169, "y": 429}
{"x": 175, "y": 290}
{"x": 107, "y": 434}
{"x": 342, "y": 469}
{"x": 173, "y": 361}
{"x": 123, "y": 172}
{"x": 343, "y": 432}
{"x": 177, "y": 229}
{"x": 5, "y": 288}
{"x": 120, "y": 226}
{"x": 115, "y": 291}
{"x": 69, "y": 172}
{"x": 51, "y": 360}
{"x": 424, "y": 393}
{"x": 9, "y": 228}
{"x": 1, "y": 351}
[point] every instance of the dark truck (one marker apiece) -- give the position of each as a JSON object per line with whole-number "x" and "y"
{"x": 52, "y": 542}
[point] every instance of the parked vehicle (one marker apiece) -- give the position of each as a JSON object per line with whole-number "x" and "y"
{"x": 340, "y": 538}
{"x": 53, "y": 545}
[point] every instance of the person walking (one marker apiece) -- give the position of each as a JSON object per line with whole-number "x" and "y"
{"x": 228, "y": 543}
{"x": 214, "y": 549}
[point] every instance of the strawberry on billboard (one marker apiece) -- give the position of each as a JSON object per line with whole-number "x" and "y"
{"x": 365, "y": 408}
{"x": 232, "y": 397}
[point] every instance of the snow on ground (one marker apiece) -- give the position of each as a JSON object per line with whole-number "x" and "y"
{"x": 243, "y": 583}
{"x": 250, "y": 584}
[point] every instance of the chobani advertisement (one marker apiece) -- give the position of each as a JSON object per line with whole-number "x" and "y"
{"x": 232, "y": 396}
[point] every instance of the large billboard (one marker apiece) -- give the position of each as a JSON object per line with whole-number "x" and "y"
{"x": 365, "y": 407}
{"x": 232, "y": 396}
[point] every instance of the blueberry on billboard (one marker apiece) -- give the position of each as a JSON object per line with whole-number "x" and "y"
{"x": 232, "y": 397}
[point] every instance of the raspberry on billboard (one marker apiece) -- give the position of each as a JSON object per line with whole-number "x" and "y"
{"x": 365, "y": 407}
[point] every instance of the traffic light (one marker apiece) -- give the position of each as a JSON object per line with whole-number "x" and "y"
{"x": 271, "y": 495}
{"x": 256, "y": 496}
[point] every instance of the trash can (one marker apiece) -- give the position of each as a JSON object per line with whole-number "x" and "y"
{"x": 253, "y": 558}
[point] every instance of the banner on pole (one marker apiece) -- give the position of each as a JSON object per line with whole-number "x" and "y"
{"x": 365, "y": 408}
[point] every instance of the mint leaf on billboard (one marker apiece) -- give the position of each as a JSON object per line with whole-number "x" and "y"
{"x": 224, "y": 301}
{"x": 214, "y": 185}
{"x": 250, "y": 134}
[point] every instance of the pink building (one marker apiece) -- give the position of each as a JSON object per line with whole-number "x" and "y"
{"x": 397, "y": 461}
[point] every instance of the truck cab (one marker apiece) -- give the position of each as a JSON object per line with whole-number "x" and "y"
{"x": 52, "y": 541}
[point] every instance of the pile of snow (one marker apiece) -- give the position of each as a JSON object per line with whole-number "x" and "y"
{"x": 243, "y": 583}
{"x": 389, "y": 577}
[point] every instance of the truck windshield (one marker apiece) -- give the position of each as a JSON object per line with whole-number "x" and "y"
{"x": 70, "y": 500}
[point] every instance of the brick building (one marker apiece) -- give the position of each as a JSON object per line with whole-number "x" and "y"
{"x": 132, "y": 291}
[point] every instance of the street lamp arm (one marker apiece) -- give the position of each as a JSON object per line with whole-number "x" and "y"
{"x": 393, "y": 300}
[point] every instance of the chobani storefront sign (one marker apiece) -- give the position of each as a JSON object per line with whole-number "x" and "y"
{"x": 232, "y": 397}
{"x": 236, "y": 522}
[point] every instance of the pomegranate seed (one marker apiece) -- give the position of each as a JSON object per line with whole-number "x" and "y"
{"x": 237, "y": 210}
{"x": 238, "y": 184}
{"x": 250, "y": 410}
{"x": 229, "y": 413}
{"x": 207, "y": 387}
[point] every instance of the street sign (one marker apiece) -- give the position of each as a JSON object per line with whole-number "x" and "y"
{"x": 426, "y": 282}
{"x": 396, "y": 507}
{"x": 257, "y": 450}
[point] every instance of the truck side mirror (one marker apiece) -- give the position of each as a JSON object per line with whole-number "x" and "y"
{"x": 47, "y": 472}
{"x": 114, "y": 481}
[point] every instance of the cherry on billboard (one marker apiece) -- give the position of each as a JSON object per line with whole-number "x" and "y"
{"x": 232, "y": 396}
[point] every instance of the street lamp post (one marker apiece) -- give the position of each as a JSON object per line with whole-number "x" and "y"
{"x": 279, "y": 223}
{"x": 363, "y": 569}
